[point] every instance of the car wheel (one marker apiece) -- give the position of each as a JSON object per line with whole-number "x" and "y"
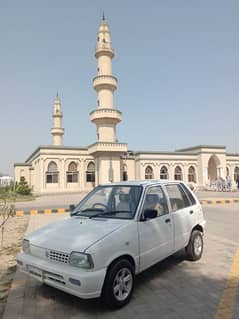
{"x": 194, "y": 249}
{"x": 119, "y": 284}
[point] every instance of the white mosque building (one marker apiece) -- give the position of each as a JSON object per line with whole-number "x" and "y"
{"x": 58, "y": 168}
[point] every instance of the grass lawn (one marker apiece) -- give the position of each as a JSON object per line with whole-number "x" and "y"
{"x": 14, "y": 198}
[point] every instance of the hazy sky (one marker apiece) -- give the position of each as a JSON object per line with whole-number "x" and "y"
{"x": 177, "y": 64}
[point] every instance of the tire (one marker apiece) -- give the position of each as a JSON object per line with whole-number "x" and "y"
{"x": 117, "y": 290}
{"x": 194, "y": 248}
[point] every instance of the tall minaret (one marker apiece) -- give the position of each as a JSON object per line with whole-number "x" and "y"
{"x": 107, "y": 151}
{"x": 57, "y": 131}
{"x": 106, "y": 117}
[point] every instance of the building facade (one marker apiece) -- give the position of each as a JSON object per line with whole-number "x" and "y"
{"x": 57, "y": 168}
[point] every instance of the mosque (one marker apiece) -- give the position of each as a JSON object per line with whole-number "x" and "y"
{"x": 61, "y": 169}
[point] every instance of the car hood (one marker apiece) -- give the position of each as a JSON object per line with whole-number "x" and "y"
{"x": 74, "y": 233}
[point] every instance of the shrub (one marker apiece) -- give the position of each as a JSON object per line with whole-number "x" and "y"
{"x": 22, "y": 187}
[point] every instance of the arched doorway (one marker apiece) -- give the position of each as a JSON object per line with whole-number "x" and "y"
{"x": 213, "y": 164}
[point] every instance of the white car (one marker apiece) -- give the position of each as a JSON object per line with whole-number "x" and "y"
{"x": 117, "y": 231}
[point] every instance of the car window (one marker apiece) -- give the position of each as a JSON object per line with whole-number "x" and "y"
{"x": 114, "y": 201}
{"x": 191, "y": 197}
{"x": 156, "y": 199}
{"x": 177, "y": 197}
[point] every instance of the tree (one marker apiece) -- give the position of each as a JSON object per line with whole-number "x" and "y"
{"x": 22, "y": 187}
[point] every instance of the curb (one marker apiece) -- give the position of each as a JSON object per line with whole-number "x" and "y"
{"x": 42, "y": 212}
{"x": 66, "y": 210}
{"x": 219, "y": 201}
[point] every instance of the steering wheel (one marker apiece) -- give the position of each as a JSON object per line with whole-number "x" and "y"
{"x": 99, "y": 204}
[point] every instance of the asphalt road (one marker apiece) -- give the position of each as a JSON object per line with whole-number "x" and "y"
{"x": 223, "y": 221}
{"x": 172, "y": 289}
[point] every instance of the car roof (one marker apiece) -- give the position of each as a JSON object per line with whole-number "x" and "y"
{"x": 143, "y": 182}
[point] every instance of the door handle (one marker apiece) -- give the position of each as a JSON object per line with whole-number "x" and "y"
{"x": 168, "y": 220}
{"x": 191, "y": 212}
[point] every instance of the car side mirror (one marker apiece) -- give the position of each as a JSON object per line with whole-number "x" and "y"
{"x": 71, "y": 208}
{"x": 149, "y": 214}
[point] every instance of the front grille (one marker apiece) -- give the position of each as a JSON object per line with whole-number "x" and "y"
{"x": 58, "y": 256}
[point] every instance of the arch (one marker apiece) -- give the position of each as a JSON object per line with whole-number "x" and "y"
{"x": 52, "y": 167}
{"x": 213, "y": 164}
{"x": 149, "y": 174}
{"x": 72, "y": 167}
{"x": 192, "y": 174}
{"x": 178, "y": 176}
{"x": 52, "y": 173}
{"x": 90, "y": 172}
{"x": 236, "y": 173}
{"x": 163, "y": 172}
{"x": 72, "y": 173}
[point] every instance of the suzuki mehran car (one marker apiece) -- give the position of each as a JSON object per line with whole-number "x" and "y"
{"x": 117, "y": 231}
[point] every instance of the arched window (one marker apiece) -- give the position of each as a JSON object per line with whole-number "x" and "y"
{"x": 72, "y": 173}
{"x": 52, "y": 173}
{"x": 90, "y": 173}
{"x": 236, "y": 173}
{"x": 178, "y": 173}
{"x": 163, "y": 172}
{"x": 191, "y": 174}
{"x": 149, "y": 172}
{"x": 125, "y": 174}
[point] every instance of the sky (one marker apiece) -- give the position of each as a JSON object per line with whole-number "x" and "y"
{"x": 177, "y": 64}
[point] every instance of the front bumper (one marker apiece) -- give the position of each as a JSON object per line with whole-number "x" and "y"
{"x": 76, "y": 281}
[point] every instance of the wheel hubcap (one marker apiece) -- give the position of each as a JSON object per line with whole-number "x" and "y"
{"x": 197, "y": 245}
{"x": 123, "y": 283}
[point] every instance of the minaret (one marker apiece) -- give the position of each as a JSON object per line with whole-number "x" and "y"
{"x": 107, "y": 151}
{"x": 57, "y": 131}
{"x": 106, "y": 117}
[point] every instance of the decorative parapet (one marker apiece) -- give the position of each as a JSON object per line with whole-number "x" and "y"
{"x": 104, "y": 49}
{"x": 106, "y": 113}
{"x": 108, "y": 147}
{"x": 105, "y": 81}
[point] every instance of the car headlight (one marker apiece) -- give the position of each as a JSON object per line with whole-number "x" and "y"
{"x": 81, "y": 260}
{"x": 26, "y": 246}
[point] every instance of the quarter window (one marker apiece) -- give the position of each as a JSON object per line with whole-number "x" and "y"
{"x": 190, "y": 196}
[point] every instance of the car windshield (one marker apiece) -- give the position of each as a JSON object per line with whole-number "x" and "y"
{"x": 110, "y": 202}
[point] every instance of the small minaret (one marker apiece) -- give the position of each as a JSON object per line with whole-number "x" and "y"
{"x": 105, "y": 117}
{"x": 57, "y": 131}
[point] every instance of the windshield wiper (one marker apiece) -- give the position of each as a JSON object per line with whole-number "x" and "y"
{"x": 89, "y": 210}
{"x": 111, "y": 212}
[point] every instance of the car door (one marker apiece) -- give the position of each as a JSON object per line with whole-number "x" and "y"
{"x": 182, "y": 215}
{"x": 156, "y": 234}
